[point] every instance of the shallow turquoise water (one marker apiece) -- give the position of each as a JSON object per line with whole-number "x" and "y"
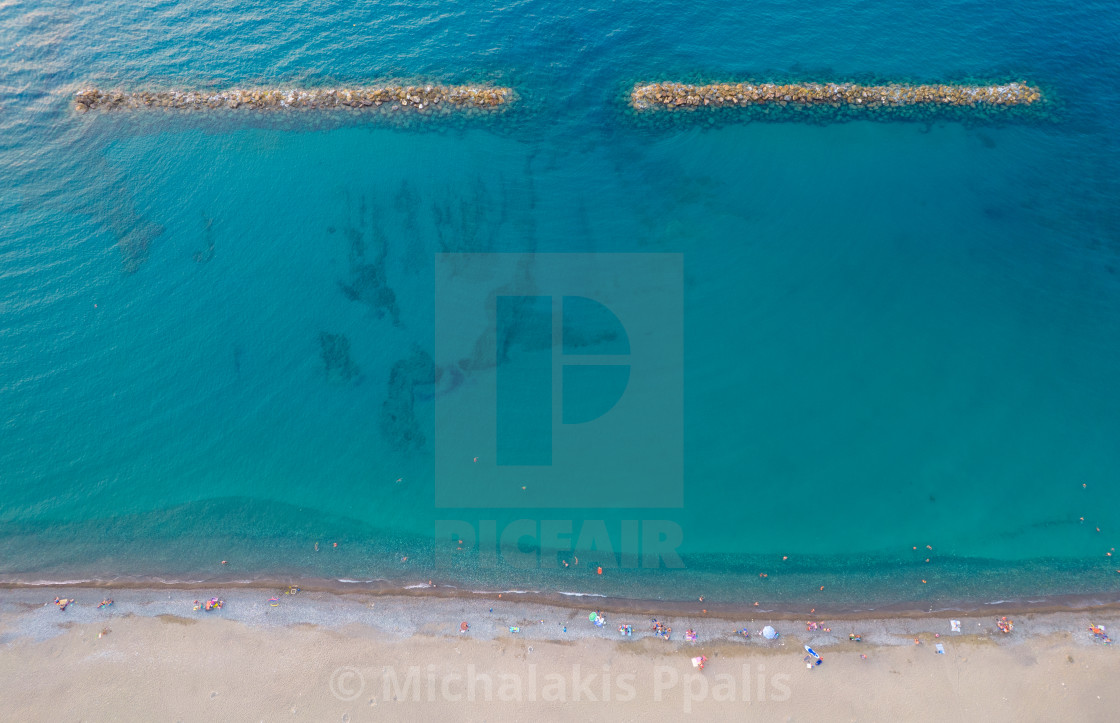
{"x": 894, "y": 334}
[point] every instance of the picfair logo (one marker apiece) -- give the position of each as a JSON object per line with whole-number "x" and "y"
{"x": 573, "y": 380}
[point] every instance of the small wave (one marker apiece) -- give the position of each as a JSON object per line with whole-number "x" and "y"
{"x": 49, "y": 583}
{"x": 349, "y": 581}
{"x": 581, "y": 594}
{"x": 505, "y": 592}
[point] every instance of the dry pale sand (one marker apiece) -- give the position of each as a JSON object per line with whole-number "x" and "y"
{"x": 171, "y": 667}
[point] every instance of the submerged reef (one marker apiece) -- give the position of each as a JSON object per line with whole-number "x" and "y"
{"x": 368, "y": 281}
{"x": 335, "y": 352}
{"x": 431, "y": 98}
{"x": 399, "y": 423}
{"x": 843, "y": 101}
{"x": 134, "y": 244}
{"x": 207, "y": 255}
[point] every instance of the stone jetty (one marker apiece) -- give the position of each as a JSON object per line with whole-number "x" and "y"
{"x": 850, "y": 96}
{"x": 418, "y": 98}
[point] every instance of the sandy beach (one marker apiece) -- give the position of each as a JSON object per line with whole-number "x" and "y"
{"x": 321, "y": 656}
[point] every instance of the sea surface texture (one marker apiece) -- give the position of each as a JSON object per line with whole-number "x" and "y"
{"x": 889, "y": 341}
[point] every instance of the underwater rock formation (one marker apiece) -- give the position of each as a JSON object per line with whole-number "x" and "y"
{"x": 399, "y": 423}
{"x": 466, "y": 224}
{"x": 207, "y": 254}
{"x": 335, "y": 351}
{"x": 116, "y": 208}
{"x": 368, "y": 281}
{"x": 420, "y": 98}
{"x": 134, "y": 245}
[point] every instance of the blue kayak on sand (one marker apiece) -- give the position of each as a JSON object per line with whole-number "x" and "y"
{"x": 812, "y": 652}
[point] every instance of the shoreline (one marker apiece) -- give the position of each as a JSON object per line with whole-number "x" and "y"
{"x": 1099, "y": 603}
{"x": 32, "y": 612}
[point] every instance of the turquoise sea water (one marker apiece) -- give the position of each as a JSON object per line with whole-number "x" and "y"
{"x": 894, "y": 334}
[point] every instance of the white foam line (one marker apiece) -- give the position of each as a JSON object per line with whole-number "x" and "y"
{"x": 49, "y": 583}
{"x": 581, "y": 594}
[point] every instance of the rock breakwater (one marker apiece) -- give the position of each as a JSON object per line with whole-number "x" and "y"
{"x": 683, "y": 96}
{"x": 433, "y": 99}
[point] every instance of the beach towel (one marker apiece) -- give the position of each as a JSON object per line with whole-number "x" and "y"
{"x": 955, "y": 626}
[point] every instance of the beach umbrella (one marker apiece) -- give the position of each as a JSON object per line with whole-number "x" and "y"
{"x": 769, "y": 633}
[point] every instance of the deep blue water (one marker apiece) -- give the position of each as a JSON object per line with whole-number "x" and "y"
{"x": 893, "y": 334}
